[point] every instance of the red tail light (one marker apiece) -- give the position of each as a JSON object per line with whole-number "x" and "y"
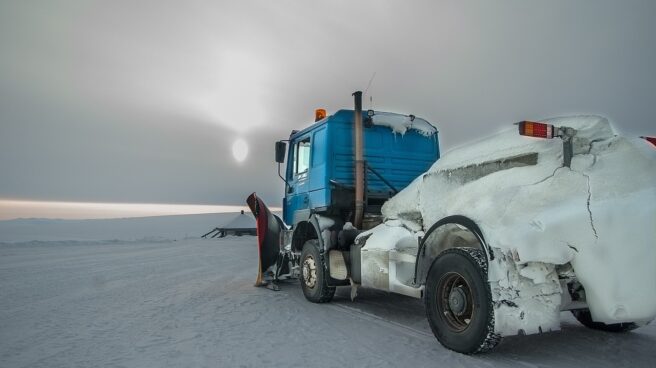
{"x": 534, "y": 129}
{"x": 651, "y": 140}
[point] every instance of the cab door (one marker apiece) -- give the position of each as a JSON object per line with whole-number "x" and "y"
{"x": 297, "y": 204}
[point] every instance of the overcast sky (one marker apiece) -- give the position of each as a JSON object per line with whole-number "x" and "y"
{"x": 140, "y": 101}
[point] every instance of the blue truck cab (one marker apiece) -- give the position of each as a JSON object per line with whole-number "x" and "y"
{"x": 320, "y": 164}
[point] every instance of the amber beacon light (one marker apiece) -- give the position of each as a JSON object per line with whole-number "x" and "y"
{"x": 319, "y": 114}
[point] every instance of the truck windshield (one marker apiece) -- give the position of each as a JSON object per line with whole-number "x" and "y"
{"x": 302, "y": 156}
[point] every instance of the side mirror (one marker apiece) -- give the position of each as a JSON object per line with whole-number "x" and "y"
{"x": 281, "y": 147}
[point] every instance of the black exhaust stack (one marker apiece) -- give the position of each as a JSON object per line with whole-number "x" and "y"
{"x": 359, "y": 160}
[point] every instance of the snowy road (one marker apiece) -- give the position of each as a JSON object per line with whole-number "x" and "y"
{"x": 191, "y": 303}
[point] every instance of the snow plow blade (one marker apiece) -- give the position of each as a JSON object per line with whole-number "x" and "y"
{"x": 269, "y": 229}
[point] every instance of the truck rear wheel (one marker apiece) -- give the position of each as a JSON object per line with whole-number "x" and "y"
{"x": 585, "y": 318}
{"x": 313, "y": 274}
{"x": 459, "y": 302}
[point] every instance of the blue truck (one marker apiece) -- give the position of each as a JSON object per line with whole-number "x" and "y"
{"x": 338, "y": 173}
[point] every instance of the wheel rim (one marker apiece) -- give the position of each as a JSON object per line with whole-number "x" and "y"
{"x": 455, "y": 301}
{"x": 309, "y": 272}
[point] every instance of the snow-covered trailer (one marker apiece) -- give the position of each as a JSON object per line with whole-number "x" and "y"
{"x": 499, "y": 236}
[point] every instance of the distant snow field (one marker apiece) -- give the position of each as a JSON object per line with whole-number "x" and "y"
{"x": 150, "y": 293}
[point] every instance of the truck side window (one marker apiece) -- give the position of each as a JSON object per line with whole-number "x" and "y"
{"x": 302, "y": 156}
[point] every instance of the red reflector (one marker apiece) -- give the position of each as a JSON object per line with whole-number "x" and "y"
{"x": 651, "y": 140}
{"x": 533, "y": 129}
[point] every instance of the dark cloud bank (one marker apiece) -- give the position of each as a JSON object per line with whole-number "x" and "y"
{"x": 140, "y": 101}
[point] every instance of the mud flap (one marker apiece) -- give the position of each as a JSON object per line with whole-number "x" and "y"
{"x": 269, "y": 229}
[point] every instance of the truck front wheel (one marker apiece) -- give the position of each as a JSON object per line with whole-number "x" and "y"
{"x": 313, "y": 274}
{"x": 459, "y": 303}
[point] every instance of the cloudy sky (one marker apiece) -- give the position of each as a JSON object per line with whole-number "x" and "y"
{"x": 141, "y": 101}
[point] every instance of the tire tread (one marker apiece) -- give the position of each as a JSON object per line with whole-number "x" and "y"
{"x": 326, "y": 293}
{"x": 478, "y": 259}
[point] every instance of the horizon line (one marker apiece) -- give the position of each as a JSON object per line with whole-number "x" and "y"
{"x": 11, "y": 209}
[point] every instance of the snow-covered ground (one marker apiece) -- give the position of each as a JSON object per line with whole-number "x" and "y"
{"x": 191, "y": 303}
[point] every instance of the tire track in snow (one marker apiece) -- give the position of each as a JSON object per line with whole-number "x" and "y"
{"x": 370, "y": 317}
{"x": 360, "y": 314}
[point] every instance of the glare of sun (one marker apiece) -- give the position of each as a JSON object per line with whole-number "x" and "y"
{"x": 236, "y": 92}
{"x": 240, "y": 150}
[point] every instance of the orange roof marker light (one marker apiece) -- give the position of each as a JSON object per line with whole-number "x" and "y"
{"x": 320, "y": 114}
{"x": 548, "y": 131}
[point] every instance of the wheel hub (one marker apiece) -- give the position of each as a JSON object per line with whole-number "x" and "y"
{"x": 309, "y": 272}
{"x": 457, "y": 301}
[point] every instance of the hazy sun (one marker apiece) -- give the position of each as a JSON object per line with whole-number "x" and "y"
{"x": 240, "y": 150}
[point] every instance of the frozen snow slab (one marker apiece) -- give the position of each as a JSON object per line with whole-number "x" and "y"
{"x": 400, "y": 124}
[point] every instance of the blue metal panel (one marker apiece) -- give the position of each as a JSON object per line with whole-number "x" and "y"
{"x": 318, "y": 190}
{"x": 318, "y": 165}
{"x": 398, "y": 158}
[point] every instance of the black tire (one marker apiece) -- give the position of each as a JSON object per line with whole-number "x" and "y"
{"x": 459, "y": 302}
{"x": 313, "y": 279}
{"x": 585, "y": 318}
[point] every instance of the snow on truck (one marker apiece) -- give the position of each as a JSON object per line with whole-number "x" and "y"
{"x": 497, "y": 236}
